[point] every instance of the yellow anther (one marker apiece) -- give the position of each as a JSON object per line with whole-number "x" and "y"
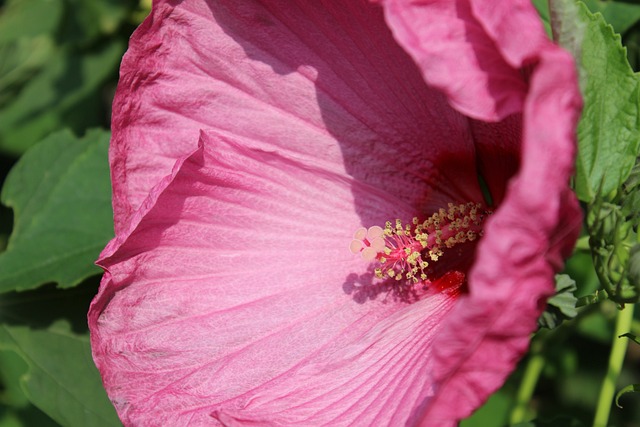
{"x": 404, "y": 249}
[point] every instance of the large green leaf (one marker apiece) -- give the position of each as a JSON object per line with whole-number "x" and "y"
{"x": 608, "y": 133}
{"x": 65, "y": 93}
{"x": 47, "y": 329}
{"x": 15, "y": 408}
{"x": 62, "y": 379}
{"x": 60, "y": 193}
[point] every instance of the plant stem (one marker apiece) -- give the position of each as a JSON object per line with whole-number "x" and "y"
{"x": 616, "y": 358}
{"x": 528, "y": 384}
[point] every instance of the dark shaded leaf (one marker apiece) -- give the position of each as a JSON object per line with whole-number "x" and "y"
{"x": 562, "y": 306}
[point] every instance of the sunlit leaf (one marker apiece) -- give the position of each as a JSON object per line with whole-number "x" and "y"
{"x": 60, "y": 193}
{"x": 608, "y": 132}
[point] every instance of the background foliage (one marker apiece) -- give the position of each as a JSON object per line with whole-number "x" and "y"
{"x": 58, "y": 71}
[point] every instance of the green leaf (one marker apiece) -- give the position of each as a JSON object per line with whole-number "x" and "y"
{"x": 18, "y": 411}
{"x": 66, "y": 92}
{"x": 62, "y": 379}
{"x": 631, "y": 388}
{"x": 60, "y": 193}
{"x": 12, "y": 367}
{"x": 37, "y": 313}
{"x": 608, "y": 135}
{"x": 21, "y": 60}
{"x": 620, "y": 15}
{"x": 562, "y": 306}
{"x": 29, "y": 18}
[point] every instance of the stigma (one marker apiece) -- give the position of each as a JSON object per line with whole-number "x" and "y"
{"x": 404, "y": 252}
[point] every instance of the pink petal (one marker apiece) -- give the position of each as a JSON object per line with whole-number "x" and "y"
{"x": 237, "y": 299}
{"x": 324, "y": 81}
{"x": 456, "y": 55}
{"x": 230, "y": 291}
{"x": 539, "y": 219}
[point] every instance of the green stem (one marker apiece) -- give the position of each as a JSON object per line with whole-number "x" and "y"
{"x": 528, "y": 385}
{"x": 616, "y": 358}
{"x": 535, "y": 364}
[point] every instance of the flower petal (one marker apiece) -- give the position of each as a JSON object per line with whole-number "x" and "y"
{"x": 459, "y": 56}
{"x": 538, "y": 220}
{"x": 230, "y": 291}
{"x": 321, "y": 80}
{"x": 236, "y": 298}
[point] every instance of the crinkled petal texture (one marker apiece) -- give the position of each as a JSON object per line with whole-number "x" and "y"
{"x": 238, "y": 305}
{"x": 252, "y": 138}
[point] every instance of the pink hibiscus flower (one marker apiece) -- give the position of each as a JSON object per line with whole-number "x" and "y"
{"x": 252, "y": 139}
